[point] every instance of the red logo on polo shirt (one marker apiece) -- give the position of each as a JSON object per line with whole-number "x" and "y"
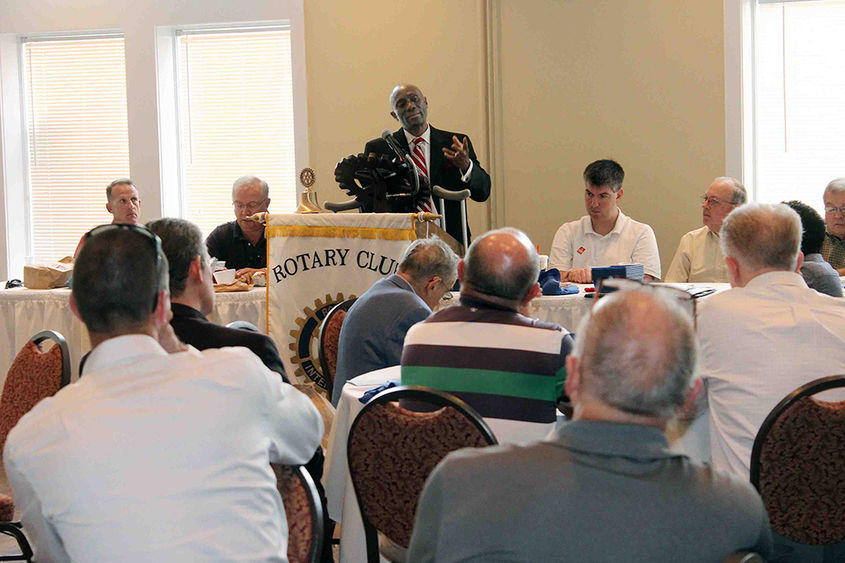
{"x": 581, "y": 250}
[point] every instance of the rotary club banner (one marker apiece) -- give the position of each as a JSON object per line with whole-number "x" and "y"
{"x": 315, "y": 261}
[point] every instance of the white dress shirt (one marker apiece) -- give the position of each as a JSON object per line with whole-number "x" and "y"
{"x": 577, "y": 245}
{"x": 157, "y": 457}
{"x": 758, "y": 344}
{"x": 699, "y": 259}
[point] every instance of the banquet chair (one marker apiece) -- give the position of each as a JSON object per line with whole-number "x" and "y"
{"x": 798, "y": 465}
{"x": 32, "y": 376}
{"x": 243, "y": 325}
{"x": 304, "y": 513}
{"x": 329, "y": 337}
{"x": 391, "y": 451}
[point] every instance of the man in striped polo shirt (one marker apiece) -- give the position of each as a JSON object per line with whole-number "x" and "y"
{"x": 509, "y": 367}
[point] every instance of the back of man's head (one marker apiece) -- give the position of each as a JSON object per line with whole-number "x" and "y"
{"x": 812, "y": 225}
{"x": 502, "y": 263}
{"x": 761, "y": 236}
{"x": 637, "y": 352}
{"x": 116, "y": 279}
{"x": 182, "y": 242}
{"x": 429, "y": 257}
{"x": 604, "y": 172}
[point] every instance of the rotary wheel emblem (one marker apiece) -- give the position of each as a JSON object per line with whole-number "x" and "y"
{"x": 304, "y": 353}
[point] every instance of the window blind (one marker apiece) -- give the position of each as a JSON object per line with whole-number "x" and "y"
{"x": 77, "y": 136}
{"x": 235, "y": 105}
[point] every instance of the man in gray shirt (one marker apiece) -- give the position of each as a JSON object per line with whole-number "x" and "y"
{"x": 604, "y": 487}
{"x": 818, "y": 274}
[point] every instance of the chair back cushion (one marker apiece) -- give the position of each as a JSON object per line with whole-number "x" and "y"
{"x": 802, "y": 472}
{"x": 391, "y": 452}
{"x": 331, "y": 336}
{"x": 297, "y": 511}
{"x": 33, "y": 376}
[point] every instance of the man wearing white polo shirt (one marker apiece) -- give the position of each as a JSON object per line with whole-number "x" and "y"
{"x": 605, "y": 236}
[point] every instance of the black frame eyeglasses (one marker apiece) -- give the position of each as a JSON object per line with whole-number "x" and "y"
{"x": 144, "y": 232}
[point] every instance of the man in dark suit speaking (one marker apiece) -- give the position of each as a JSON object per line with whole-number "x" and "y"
{"x": 447, "y": 158}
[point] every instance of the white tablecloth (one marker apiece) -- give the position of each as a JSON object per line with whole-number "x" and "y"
{"x": 24, "y": 312}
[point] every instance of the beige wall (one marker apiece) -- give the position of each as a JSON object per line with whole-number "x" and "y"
{"x": 641, "y": 82}
{"x": 357, "y": 51}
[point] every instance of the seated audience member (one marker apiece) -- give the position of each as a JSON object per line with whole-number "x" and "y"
{"x": 817, "y": 273}
{"x": 508, "y": 367}
{"x": 699, "y": 256}
{"x": 122, "y": 202}
{"x": 375, "y": 327}
{"x": 605, "y": 236}
{"x": 154, "y": 456}
{"x": 605, "y": 486}
{"x": 241, "y": 243}
{"x": 833, "y": 248}
{"x": 192, "y": 295}
{"x": 765, "y": 337}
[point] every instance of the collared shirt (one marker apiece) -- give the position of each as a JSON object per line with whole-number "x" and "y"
{"x": 820, "y": 275}
{"x": 426, "y": 148}
{"x": 833, "y": 250}
{"x": 228, "y": 243}
{"x": 698, "y": 259}
{"x": 617, "y": 485}
{"x": 577, "y": 245}
{"x": 759, "y": 343}
{"x": 157, "y": 457}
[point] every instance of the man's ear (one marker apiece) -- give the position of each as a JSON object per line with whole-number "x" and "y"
{"x": 461, "y": 271}
{"x": 800, "y": 262}
{"x": 195, "y": 269}
{"x": 432, "y": 283}
{"x": 268, "y": 202}
{"x": 573, "y": 377}
{"x": 733, "y": 270}
{"x": 619, "y": 193}
{"x": 534, "y": 292}
{"x": 393, "y": 115}
{"x": 108, "y": 207}
{"x": 74, "y": 308}
{"x": 162, "y": 313}
{"x": 689, "y": 407}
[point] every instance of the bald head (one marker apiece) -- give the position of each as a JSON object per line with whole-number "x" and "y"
{"x": 501, "y": 263}
{"x": 637, "y": 353}
{"x": 410, "y": 108}
{"x": 762, "y": 236}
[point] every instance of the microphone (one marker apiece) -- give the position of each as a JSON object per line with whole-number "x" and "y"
{"x": 387, "y": 135}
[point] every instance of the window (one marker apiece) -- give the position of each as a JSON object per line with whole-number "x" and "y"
{"x": 796, "y": 78}
{"x": 235, "y": 117}
{"x": 77, "y": 137}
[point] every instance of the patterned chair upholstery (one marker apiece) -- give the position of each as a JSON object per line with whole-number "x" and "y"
{"x": 329, "y": 337}
{"x": 391, "y": 451}
{"x": 798, "y": 465}
{"x": 303, "y": 511}
{"x": 32, "y": 376}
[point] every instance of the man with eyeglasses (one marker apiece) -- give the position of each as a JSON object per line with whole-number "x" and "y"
{"x": 241, "y": 243}
{"x": 833, "y": 248}
{"x": 699, "y": 257}
{"x": 153, "y": 456}
{"x": 604, "y": 486}
{"x": 605, "y": 236}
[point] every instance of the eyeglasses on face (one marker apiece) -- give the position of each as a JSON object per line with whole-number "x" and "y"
{"x": 147, "y": 234}
{"x": 251, "y": 207}
{"x": 832, "y": 209}
{"x": 710, "y": 200}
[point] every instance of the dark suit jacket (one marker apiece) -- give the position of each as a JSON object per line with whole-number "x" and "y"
{"x": 442, "y": 173}
{"x": 193, "y": 328}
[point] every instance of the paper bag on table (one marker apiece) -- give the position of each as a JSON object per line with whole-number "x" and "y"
{"x": 48, "y": 276}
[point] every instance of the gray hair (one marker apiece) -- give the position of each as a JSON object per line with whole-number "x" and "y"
{"x": 637, "y": 352}
{"x": 487, "y": 273}
{"x": 249, "y": 181}
{"x": 118, "y": 182}
{"x": 740, "y": 196}
{"x": 429, "y": 257}
{"x": 836, "y": 186}
{"x": 762, "y": 235}
{"x": 181, "y": 242}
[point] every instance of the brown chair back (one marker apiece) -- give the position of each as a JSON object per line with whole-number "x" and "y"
{"x": 33, "y": 376}
{"x": 304, "y": 513}
{"x": 798, "y": 465}
{"x": 391, "y": 451}
{"x": 328, "y": 339}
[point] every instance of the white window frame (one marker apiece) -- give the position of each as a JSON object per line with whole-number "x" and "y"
{"x": 15, "y": 146}
{"x": 172, "y": 192}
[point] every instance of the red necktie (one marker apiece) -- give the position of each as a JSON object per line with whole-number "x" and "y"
{"x": 418, "y": 156}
